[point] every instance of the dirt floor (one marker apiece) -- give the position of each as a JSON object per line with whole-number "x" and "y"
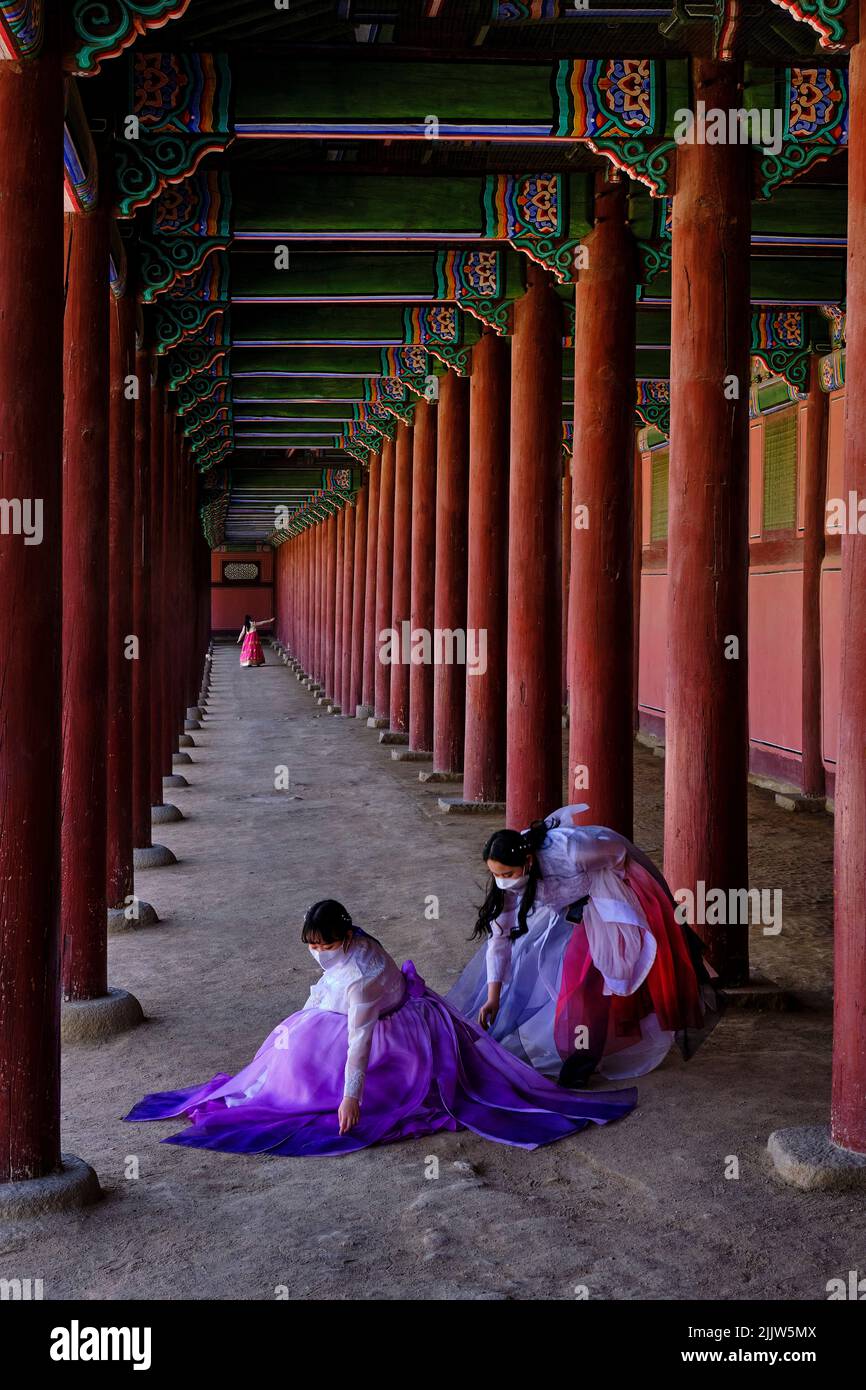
{"x": 640, "y": 1210}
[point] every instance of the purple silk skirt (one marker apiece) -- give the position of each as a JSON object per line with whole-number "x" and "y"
{"x": 430, "y": 1069}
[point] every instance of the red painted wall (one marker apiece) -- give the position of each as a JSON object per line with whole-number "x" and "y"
{"x": 775, "y": 621}
{"x": 231, "y": 602}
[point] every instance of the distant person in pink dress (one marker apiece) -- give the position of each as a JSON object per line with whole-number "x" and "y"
{"x": 251, "y": 651}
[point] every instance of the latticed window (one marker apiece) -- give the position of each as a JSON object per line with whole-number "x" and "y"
{"x": 780, "y": 471}
{"x": 659, "y": 496}
{"x": 240, "y": 572}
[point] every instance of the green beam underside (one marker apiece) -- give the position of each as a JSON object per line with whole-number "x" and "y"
{"x": 346, "y": 90}
{"x": 349, "y": 203}
{"x": 297, "y": 389}
{"x": 793, "y": 280}
{"x": 321, "y": 322}
{"x": 286, "y": 410}
{"x": 335, "y": 274}
{"x": 358, "y": 361}
{"x": 654, "y": 365}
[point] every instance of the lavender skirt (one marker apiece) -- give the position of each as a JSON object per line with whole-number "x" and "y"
{"x": 430, "y": 1069}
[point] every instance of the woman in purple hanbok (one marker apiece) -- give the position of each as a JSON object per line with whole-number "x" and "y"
{"x": 372, "y": 1057}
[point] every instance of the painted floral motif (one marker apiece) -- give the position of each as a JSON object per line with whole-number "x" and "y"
{"x": 818, "y": 104}
{"x": 534, "y": 205}
{"x": 478, "y": 271}
{"x": 778, "y": 328}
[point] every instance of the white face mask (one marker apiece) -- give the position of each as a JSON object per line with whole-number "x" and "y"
{"x": 325, "y": 959}
{"x": 515, "y": 884}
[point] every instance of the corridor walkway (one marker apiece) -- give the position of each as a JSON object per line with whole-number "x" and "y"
{"x": 641, "y": 1210}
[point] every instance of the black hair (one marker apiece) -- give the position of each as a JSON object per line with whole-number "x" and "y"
{"x": 248, "y": 622}
{"x": 512, "y": 847}
{"x": 327, "y": 921}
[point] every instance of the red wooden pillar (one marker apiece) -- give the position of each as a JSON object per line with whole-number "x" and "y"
{"x": 384, "y": 580}
{"x": 303, "y": 654}
{"x": 706, "y": 724}
{"x": 340, "y": 525}
{"x": 401, "y": 576}
{"x": 85, "y": 607}
{"x": 423, "y": 572}
{"x": 601, "y": 717}
{"x": 141, "y": 571}
{"x": 330, "y": 601}
{"x": 637, "y": 580}
{"x": 359, "y": 584}
{"x": 168, "y": 497}
{"x": 345, "y": 692}
{"x": 814, "y": 421}
{"x": 848, "y": 1121}
{"x": 566, "y": 574}
{"x": 31, "y": 457}
{"x": 368, "y": 686}
{"x": 486, "y": 610}
{"x": 534, "y": 737}
{"x": 452, "y": 505}
{"x": 121, "y": 421}
{"x": 157, "y": 444}
{"x": 321, "y": 604}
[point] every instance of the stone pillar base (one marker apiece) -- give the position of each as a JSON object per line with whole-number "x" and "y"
{"x": 180, "y": 759}
{"x": 185, "y": 741}
{"x": 795, "y": 802}
{"x": 193, "y": 712}
{"x": 74, "y": 1185}
{"x": 440, "y": 776}
{"x": 119, "y": 923}
{"x": 394, "y": 736}
{"x": 175, "y": 779}
{"x": 456, "y": 806}
{"x": 375, "y": 723}
{"x": 759, "y": 995}
{"x": 94, "y": 1020}
{"x": 152, "y": 857}
{"x": 363, "y": 711}
{"x": 411, "y": 755}
{"x": 806, "y": 1157}
{"x": 165, "y": 814}
{"x": 190, "y": 725}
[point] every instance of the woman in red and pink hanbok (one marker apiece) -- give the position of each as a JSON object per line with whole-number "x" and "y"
{"x": 251, "y": 651}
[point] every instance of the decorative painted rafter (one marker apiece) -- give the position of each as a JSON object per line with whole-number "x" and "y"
{"x": 438, "y": 328}
{"x": 474, "y": 280}
{"x": 148, "y": 165}
{"x": 653, "y": 165}
{"x": 780, "y": 340}
{"x": 826, "y": 17}
{"x": 80, "y": 164}
{"x": 814, "y": 99}
{"x": 653, "y": 404}
{"x": 180, "y": 101}
{"x": 104, "y": 28}
{"x": 21, "y": 28}
{"x": 184, "y": 264}
{"x": 832, "y": 370}
{"x": 179, "y": 320}
{"x": 529, "y": 211}
{"x": 196, "y": 359}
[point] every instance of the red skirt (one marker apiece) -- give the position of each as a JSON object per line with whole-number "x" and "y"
{"x": 671, "y": 990}
{"x": 251, "y": 651}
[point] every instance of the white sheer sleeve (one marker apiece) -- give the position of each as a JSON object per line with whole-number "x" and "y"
{"x": 365, "y": 1000}
{"x": 499, "y": 947}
